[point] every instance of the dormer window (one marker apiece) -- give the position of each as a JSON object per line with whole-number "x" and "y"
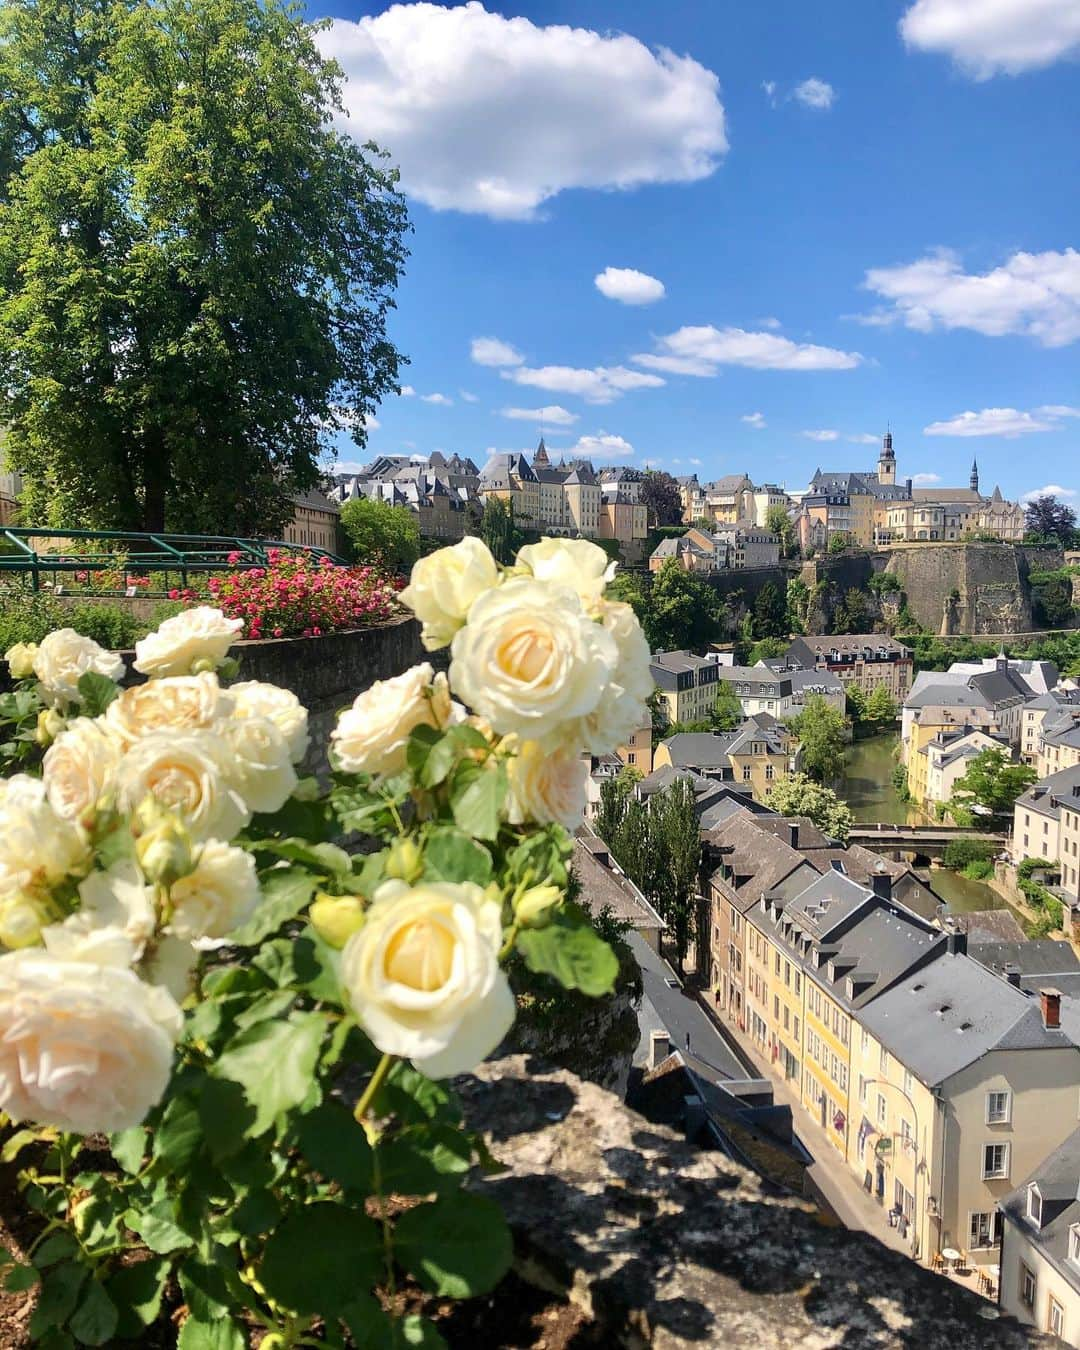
{"x": 1034, "y": 1206}
{"x": 1074, "y": 1244}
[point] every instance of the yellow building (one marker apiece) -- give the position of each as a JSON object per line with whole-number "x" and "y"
{"x": 755, "y": 756}
{"x": 316, "y": 522}
{"x": 637, "y": 753}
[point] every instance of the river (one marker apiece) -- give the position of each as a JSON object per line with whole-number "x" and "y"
{"x": 868, "y": 789}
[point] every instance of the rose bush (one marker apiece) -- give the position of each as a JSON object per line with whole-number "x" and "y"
{"x": 205, "y": 965}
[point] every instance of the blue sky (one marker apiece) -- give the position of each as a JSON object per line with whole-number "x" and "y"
{"x": 859, "y": 213}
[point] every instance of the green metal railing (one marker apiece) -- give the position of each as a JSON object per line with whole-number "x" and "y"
{"x": 134, "y": 555}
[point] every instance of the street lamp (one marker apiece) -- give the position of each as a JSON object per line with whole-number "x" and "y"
{"x": 884, "y": 1082}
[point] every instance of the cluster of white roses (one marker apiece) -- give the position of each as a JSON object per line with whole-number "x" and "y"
{"x": 100, "y": 954}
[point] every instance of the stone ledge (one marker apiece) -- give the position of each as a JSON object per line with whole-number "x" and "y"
{"x": 666, "y": 1246}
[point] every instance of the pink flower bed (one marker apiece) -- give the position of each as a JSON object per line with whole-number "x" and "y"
{"x": 296, "y": 596}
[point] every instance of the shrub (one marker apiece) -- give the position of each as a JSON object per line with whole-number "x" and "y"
{"x": 26, "y": 616}
{"x": 112, "y": 626}
{"x": 961, "y": 853}
{"x": 978, "y": 870}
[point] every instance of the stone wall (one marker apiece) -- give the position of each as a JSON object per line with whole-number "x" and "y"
{"x": 971, "y": 587}
{"x": 664, "y": 1245}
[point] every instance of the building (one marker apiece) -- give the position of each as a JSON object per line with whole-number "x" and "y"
{"x": 637, "y": 753}
{"x": 1059, "y": 741}
{"x": 622, "y": 517}
{"x": 316, "y": 522}
{"x": 441, "y": 492}
{"x": 991, "y": 695}
{"x": 754, "y": 755}
{"x": 749, "y": 545}
{"x": 767, "y": 498}
{"x": 689, "y": 554}
{"x": 10, "y": 491}
{"x": 512, "y": 479}
{"x": 1034, "y": 714}
{"x": 1037, "y": 816}
{"x": 1040, "y": 1245}
{"x": 688, "y": 684}
{"x": 604, "y": 885}
{"x": 729, "y": 500}
{"x": 948, "y": 754}
{"x": 868, "y": 660}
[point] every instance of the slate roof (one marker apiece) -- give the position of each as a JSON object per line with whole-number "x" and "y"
{"x": 1058, "y": 1180}
{"x": 1062, "y": 728}
{"x": 1046, "y": 796}
{"x": 1042, "y": 957}
{"x": 985, "y": 926}
{"x": 758, "y": 861}
{"x": 603, "y": 883}
{"x": 814, "y": 648}
{"x": 700, "y": 749}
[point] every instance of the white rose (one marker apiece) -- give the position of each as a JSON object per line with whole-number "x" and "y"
{"x": 546, "y": 785}
{"x": 63, "y": 657}
{"x": 575, "y": 563}
{"x": 218, "y": 896}
{"x": 79, "y": 766}
{"x": 444, "y": 585}
{"x": 200, "y": 634}
{"x": 371, "y": 736}
{"x": 171, "y": 963}
{"x": 176, "y": 703}
{"x": 186, "y": 772}
{"x": 623, "y": 709}
{"x": 114, "y": 922}
{"x": 83, "y": 1047}
{"x": 530, "y": 659}
{"x": 20, "y": 659}
{"x": 257, "y": 763}
{"x": 252, "y": 698}
{"x": 34, "y": 840}
{"x": 632, "y": 672}
{"x": 24, "y": 911}
{"x": 423, "y": 975}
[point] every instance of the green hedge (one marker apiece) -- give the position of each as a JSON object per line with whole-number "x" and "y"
{"x": 962, "y": 853}
{"x": 29, "y": 617}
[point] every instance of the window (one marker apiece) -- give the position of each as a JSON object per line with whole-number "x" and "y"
{"x": 865, "y": 1040}
{"x": 1074, "y": 1244}
{"x": 1027, "y": 1286}
{"x": 778, "y": 963}
{"x": 883, "y": 1060}
{"x": 776, "y": 1008}
{"x": 798, "y": 982}
{"x": 787, "y": 973}
{"x": 1055, "y": 1322}
{"x": 998, "y": 1108}
{"x": 985, "y": 1228}
{"x": 1034, "y": 1206}
{"x": 995, "y": 1161}
{"x": 882, "y": 1109}
{"x": 908, "y": 1084}
{"x": 746, "y": 771}
{"x": 769, "y": 772}
{"x": 862, "y": 1090}
{"x": 787, "y": 1017}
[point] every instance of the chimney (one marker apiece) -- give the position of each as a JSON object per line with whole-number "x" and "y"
{"x": 659, "y": 1048}
{"x": 882, "y": 884}
{"x": 1050, "y": 1003}
{"x": 793, "y": 834}
{"x": 956, "y": 944}
{"x": 1012, "y": 974}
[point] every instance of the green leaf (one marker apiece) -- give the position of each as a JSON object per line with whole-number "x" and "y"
{"x": 424, "y": 1158}
{"x": 274, "y": 1062}
{"x": 576, "y": 955}
{"x": 95, "y": 1319}
{"x": 19, "y": 1140}
{"x": 136, "y": 1290}
{"x": 179, "y": 1136}
{"x": 59, "y": 1294}
{"x": 422, "y": 740}
{"x": 285, "y": 892}
{"x": 372, "y": 1329}
{"x": 336, "y": 1146}
{"x": 19, "y": 1278}
{"x": 56, "y": 1247}
{"x": 315, "y": 1261}
{"x": 318, "y": 967}
{"x": 205, "y": 1290}
{"x": 325, "y": 858}
{"x": 476, "y": 798}
{"x": 416, "y": 1099}
{"x": 96, "y": 692}
{"x": 157, "y": 1227}
{"x": 221, "y": 1334}
{"x": 458, "y": 1246}
{"x": 129, "y": 1148}
{"x": 450, "y": 855}
{"x": 225, "y": 1116}
{"x": 256, "y": 1213}
{"x": 271, "y": 1004}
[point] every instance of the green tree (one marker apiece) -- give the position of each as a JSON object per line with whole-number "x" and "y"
{"x": 855, "y": 702}
{"x": 1049, "y": 519}
{"x": 766, "y": 649}
{"x": 770, "y": 612}
{"x": 196, "y": 267}
{"x": 683, "y": 610}
{"x": 820, "y": 729}
{"x": 798, "y": 605}
{"x": 853, "y": 613}
{"x": 798, "y": 795}
{"x": 880, "y": 705}
{"x": 500, "y": 531}
{"x": 778, "y": 520}
{"x": 660, "y": 493}
{"x": 992, "y": 781}
{"x": 839, "y": 541}
{"x": 381, "y": 534}
{"x": 727, "y": 710}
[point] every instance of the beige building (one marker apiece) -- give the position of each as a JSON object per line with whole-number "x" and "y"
{"x": 637, "y": 753}
{"x": 868, "y": 660}
{"x": 688, "y": 684}
{"x": 753, "y": 757}
{"x": 316, "y": 523}
{"x": 948, "y": 755}
{"x": 623, "y": 519}
{"x": 1059, "y": 742}
{"x": 1046, "y": 826}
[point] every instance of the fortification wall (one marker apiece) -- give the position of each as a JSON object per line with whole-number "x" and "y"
{"x": 971, "y": 587}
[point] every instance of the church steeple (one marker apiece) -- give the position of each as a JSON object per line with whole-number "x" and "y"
{"x": 886, "y": 465}
{"x": 541, "y": 456}
{"x": 974, "y": 480}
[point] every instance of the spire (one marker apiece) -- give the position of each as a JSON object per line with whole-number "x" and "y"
{"x": 886, "y": 465}
{"x": 541, "y": 456}
{"x": 974, "y": 480}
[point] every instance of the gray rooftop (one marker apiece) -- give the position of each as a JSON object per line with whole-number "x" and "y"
{"x": 1058, "y": 1181}
{"x": 1046, "y": 796}
{"x": 1041, "y": 957}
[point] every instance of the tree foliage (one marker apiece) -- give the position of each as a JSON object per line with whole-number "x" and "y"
{"x": 992, "y": 781}
{"x": 681, "y": 610}
{"x": 778, "y": 520}
{"x": 500, "y": 531}
{"x": 195, "y": 266}
{"x": 770, "y": 612}
{"x": 660, "y": 493}
{"x": 727, "y": 710}
{"x": 380, "y": 534}
{"x": 798, "y": 795}
{"x": 839, "y": 541}
{"x": 820, "y": 729}
{"x": 880, "y": 705}
{"x": 1051, "y": 520}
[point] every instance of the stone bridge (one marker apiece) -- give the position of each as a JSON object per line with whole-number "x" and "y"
{"x": 924, "y": 841}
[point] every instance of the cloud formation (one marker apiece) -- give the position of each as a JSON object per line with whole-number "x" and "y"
{"x": 629, "y": 286}
{"x": 755, "y": 420}
{"x": 814, "y": 93}
{"x": 1035, "y": 295}
{"x": 1002, "y": 422}
{"x": 925, "y": 479}
{"x": 553, "y": 415}
{"x": 990, "y": 37}
{"x": 489, "y": 351}
{"x": 600, "y": 384}
{"x": 498, "y": 115}
{"x": 601, "y": 446}
{"x": 440, "y": 400}
{"x": 1050, "y": 490}
{"x": 862, "y": 438}
{"x": 822, "y": 435}
{"x": 466, "y": 397}
{"x": 704, "y": 349}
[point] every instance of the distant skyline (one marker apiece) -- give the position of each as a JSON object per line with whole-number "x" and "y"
{"x": 734, "y": 237}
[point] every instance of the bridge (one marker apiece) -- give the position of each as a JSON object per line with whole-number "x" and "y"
{"x": 929, "y": 841}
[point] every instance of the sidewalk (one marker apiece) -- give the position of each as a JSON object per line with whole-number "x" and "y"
{"x": 831, "y": 1180}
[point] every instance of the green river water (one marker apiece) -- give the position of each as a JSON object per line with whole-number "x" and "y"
{"x": 868, "y": 789}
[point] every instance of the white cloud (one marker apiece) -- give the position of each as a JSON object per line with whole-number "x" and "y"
{"x": 769, "y": 87}
{"x": 769, "y": 322}
{"x": 994, "y": 422}
{"x": 702, "y": 350}
{"x": 696, "y": 463}
{"x": 629, "y": 286}
{"x": 440, "y": 399}
{"x": 822, "y": 435}
{"x": 602, "y": 384}
{"x": 755, "y": 420}
{"x": 552, "y": 414}
{"x": 407, "y": 391}
{"x": 862, "y": 438}
{"x": 1036, "y": 295}
{"x": 925, "y": 479}
{"x": 489, "y": 351}
{"x": 988, "y": 37}
{"x": 466, "y": 397}
{"x": 601, "y": 446}
{"x": 497, "y": 115}
{"x": 1057, "y": 410}
{"x": 814, "y": 93}
{"x": 1050, "y": 490}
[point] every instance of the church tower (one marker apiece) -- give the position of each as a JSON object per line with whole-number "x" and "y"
{"x": 886, "y": 465}
{"x": 541, "y": 456}
{"x": 973, "y": 481}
